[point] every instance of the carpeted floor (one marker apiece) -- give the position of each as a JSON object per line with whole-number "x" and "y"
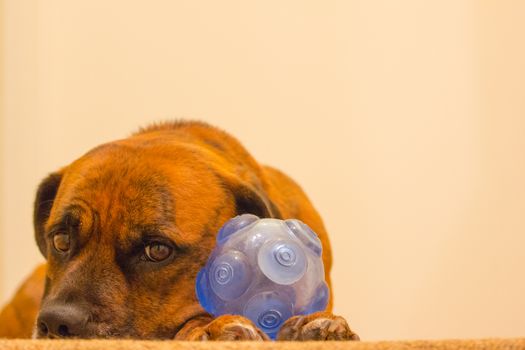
{"x": 482, "y": 344}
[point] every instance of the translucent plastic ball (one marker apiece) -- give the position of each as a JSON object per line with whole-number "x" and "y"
{"x": 267, "y": 270}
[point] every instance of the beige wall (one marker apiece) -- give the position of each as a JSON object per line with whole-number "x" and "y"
{"x": 402, "y": 120}
{"x": 1, "y": 146}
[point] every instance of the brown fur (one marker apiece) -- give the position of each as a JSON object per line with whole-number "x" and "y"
{"x": 178, "y": 181}
{"x": 17, "y": 319}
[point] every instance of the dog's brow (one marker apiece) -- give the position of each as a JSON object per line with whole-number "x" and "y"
{"x": 149, "y": 231}
{"x": 137, "y": 235}
{"x": 78, "y": 218}
{"x": 65, "y": 219}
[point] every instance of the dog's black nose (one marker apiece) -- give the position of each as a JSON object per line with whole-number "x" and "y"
{"x": 62, "y": 321}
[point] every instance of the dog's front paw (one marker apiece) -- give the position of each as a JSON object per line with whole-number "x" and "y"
{"x": 227, "y": 327}
{"x": 317, "y": 326}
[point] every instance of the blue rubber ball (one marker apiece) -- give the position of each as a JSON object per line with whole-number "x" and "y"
{"x": 267, "y": 270}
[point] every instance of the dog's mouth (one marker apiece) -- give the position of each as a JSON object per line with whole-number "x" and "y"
{"x": 89, "y": 330}
{"x": 60, "y": 323}
{"x": 102, "y": 331}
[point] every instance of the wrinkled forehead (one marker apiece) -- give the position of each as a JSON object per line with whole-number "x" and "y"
{"x": 141, "y": 189}
{"x": 119, "y": 186}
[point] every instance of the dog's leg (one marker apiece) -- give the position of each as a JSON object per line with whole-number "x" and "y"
{"x": 17, "y": 319}
{"x": 317, "y": 326}
{"x": 226, "y": 327}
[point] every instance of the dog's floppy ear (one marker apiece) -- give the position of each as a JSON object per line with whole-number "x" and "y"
{"x": 250, "y": 200}
{"x": 45, "y": 197}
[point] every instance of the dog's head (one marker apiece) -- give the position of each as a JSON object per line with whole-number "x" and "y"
{"x": 126, "y": 228}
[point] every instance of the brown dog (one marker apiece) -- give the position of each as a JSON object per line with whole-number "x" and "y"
{"x": 126, "y": 228}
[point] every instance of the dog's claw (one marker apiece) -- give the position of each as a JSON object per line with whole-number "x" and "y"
{"x": 317, "y": 326}
{"x": 228, "y": 327}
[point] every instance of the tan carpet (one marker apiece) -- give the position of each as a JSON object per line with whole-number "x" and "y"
{"x": 482, "y": 344}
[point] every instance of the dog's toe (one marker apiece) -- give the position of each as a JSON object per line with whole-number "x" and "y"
{"x": 317, "y": 326}
{"x": 228, "y": 328}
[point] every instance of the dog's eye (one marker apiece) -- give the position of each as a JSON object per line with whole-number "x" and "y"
{"x": 157, "y": 252}
{"x": 61, "y": 242}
